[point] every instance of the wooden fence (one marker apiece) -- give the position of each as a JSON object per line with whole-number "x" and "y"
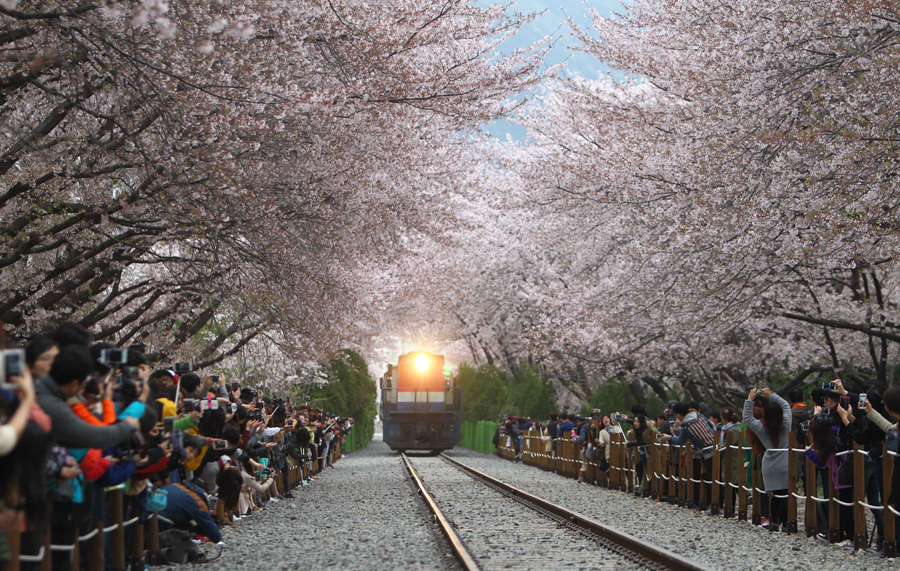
{"x": 669, "y": 476}
{"x": 142, "y": 544}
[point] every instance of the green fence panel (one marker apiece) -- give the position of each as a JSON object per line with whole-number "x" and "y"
{"x": 477, "y": 435}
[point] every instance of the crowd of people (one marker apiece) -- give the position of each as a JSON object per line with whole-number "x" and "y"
{"x": 78, "y": 419}
{"x": 826, "y": 426}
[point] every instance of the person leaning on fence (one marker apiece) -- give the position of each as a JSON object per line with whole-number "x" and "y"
{"x": 552, "y": 431}
{"x": 869, "y": 435}
{"x": 643, "y": 434}
{"x": 583, "y": 444}
{"x": 774, "y": 432}
{"x": 696, "y": 430}
{"x": 512, "y": 434}
{"x": 887, "y": 422}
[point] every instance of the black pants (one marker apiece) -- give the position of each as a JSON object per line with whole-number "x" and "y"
{"x": 778, "y": 510}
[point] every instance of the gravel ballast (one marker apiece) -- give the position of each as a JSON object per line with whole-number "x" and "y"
{"x": 361, "y": 514}
{"x": 501, "y": 533}
{"x": 710, "y": 540}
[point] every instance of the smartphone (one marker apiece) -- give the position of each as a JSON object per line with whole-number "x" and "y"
{"x": 220, "y": 444}
{"x": 233, "y": 407}
{"x": 829, "y": 386}
{"x": 845, "y": 402}
{"x": 215, "y": 379}
{"x": 206, "y": 404}
{"x": 169, "y": 423}
{"x": 13, "y": 366}
{"x": 184, "y": 367}
{"x": 862, "y": 401}
{"x": 659, "y": 435}
{"x": 112, "y": 358}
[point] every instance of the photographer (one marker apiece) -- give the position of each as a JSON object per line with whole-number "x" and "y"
{"x": 774, "y": 433}
{"x": 67, "y": 376}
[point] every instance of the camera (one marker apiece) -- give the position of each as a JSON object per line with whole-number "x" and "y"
{"x": 829, "y": 386}
{"x": 183, "y": 367}
{"x": 863, "y": 399}
{"x": 618, "y": 417}
{"x": 13, "y": 366}
{"x": 804, "y": 426}
{"x": 659, "y": 435}
{"x": 214, "y": 379}
{"x": 112, "y": 358}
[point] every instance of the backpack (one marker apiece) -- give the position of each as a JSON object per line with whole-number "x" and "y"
{"x": 175, "y": 546}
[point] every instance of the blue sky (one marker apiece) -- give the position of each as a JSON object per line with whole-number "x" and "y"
{"x": 552, "y": 23}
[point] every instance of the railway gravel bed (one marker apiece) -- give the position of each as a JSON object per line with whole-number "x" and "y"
{"x": 361, "y": 514}
{"x": 501, "y": 533}
{"x": 713, "y": 541}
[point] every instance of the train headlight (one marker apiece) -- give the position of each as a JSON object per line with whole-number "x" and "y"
{"x": 422, "y": 362}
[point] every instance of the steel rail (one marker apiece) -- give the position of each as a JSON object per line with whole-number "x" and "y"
{"x": 652, "y": 553}
{"x": 456, "y": 545}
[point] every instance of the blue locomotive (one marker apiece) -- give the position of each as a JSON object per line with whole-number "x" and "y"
{"x": 420, "y": 406}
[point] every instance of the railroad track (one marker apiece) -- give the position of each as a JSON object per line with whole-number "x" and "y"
{"x": 489, "y": 524}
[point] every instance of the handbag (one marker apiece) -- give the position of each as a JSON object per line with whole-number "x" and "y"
{"x": 548, "y": 443}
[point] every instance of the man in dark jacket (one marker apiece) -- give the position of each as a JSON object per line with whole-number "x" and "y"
{"x": 186, "y": 503}
{"x": 65, "y": 380}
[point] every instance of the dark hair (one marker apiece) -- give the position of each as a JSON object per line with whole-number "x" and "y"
{"x": 730, "y": 414}
{"x": 661, "y": 417}
{"x": 571, "y": 416}
{"x": 752, "y": 438}
{"x": 639, "y": 433}
{"x": 212, "y": 422}
{"x": 72, "y": 334}
{"x": 148, "y": 420}
{"x": 824, "y": 440}
{"x": 190, "y": 382}
{"x": 694, "y": 405}
{"x": 229, "y": 481}
{"x": 38, "y": 346}
{"x": 773, "y": 418}
{"x": 681, "y": 408}
{"x": 554, "y": 416}
{"x": 891, "y": 400}
{"x": 303, "y": 437}
{"x": 818, "y": 396}
{"x": 72, "y": 364}
{"x": 232, "y": 434}
{"x": 637, "y": 409}
{"x": 795, "y": 395}
{"x": 715, "y": 414}
{"x": 135, "y": 358}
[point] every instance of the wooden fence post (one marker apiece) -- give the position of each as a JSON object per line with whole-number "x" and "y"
{"x": 859, "y": 496}
{"x": 742, "y": 477}
{"x": 756, "y": 483}
{"x": 834, "y": 526}
{"x": 689, "y": 475}
{"x": 716, "y": 474}
{"x": 890, "y": 520}
{"x": 671, "y": 464}
{"x": 727, "y": 474}
{"x": 791, "y": 524}
{"x": 117, "y": 535}
{"x": 153, "y": 539}
{"x": 811, "y": 505}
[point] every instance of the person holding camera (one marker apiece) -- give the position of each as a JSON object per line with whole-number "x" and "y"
{"x": 774, "y": 433}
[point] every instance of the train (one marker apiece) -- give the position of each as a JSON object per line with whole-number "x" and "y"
{"x": 420, "y": 404}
